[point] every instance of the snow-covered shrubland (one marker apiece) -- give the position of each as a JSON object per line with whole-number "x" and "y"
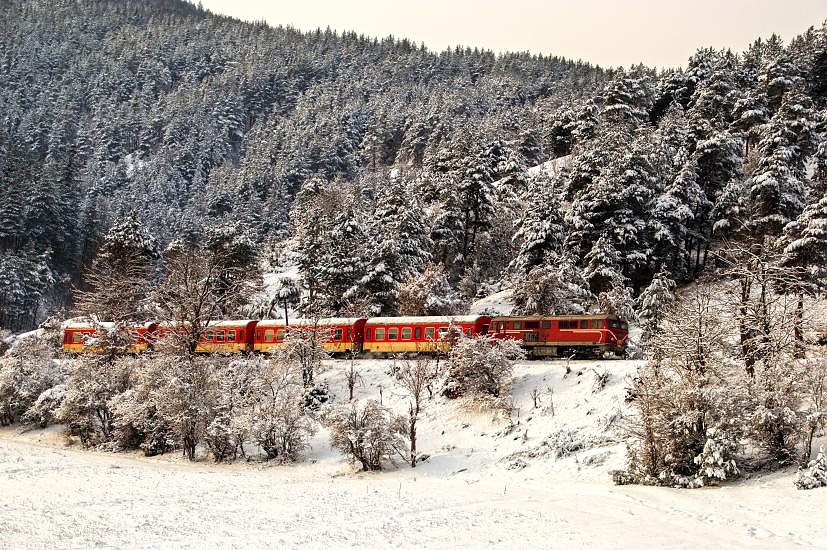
{"x": 28, "y": 374}
{"x": 724, "y": 389}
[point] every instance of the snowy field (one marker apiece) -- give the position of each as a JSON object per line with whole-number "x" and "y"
{"x": 541, "y": 483}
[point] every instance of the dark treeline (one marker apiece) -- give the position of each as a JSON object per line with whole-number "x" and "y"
{"x": 386, "y": 169}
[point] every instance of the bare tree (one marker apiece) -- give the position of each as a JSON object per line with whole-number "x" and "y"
{"x": 414, "y": 376}
{"x": 352, "y": 375}
{"x": 196, "y": 288}
{"x": 304, "y": 347}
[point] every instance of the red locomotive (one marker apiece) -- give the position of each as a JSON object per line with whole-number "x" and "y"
{"x": 556, "y": 336}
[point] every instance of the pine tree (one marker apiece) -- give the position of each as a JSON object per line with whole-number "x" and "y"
{"x": 777, "y": 186}
{"x": 121, "y": 275}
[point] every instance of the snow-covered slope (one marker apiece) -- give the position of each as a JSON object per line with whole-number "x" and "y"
{"x": 540, "y": 481}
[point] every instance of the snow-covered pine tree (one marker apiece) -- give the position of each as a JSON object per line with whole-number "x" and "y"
{"x": 540, "y": 230}
{"x": 654, "y": 302}
{"x": 776, "y": 193}
{"x": 121, "y": 275}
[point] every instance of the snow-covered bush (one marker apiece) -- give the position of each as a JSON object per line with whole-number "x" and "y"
{"x": 86, "y": 408}
{"x": 601, "y": 378}
{"x": 280, "y": 426}
{"x": 223, "y": 437}
{"x": 231, "y": 393}
{"x": 276, "y": 418}
{"x": 45, "y": 407}
{"x": 368, "y": 434}
{"x": 776, "y": 427}
{"x": 136, "y": 423}
{"x": 26, "y": 371}
{"x": 481, "y": 365}
{"x": 183, "y": 393}
{"x": 716, "y": 462}
{"x": 815, "y": 475}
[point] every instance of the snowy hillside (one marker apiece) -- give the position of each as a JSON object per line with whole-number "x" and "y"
{"x": 541, "y": 482}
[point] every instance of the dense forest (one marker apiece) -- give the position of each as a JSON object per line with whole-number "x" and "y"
{"x": 396, "y": 179}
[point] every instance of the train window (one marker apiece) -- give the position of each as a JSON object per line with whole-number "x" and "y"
{"x": 231, "y": 336}
{"x": 219, "y": 336}
{"x": 568, "y": 324}
{"x": 584, "y": 323}
{"x": 443, "y": 332}
{"x": 241, "y": 335}
{"x": 429, "y": 333}
{"x": 516, "y": 325}
{"x": 546, "y": 324}
{"x": 269, "y": 335}
{"x": 406, "y": 333}
{"x": 280, "y": 335}
{"x": 597, "y": 323}
{"x": 337, "y": 334}
{"x": 208, "y": 336}
{"x": 393, "y": 333}
{"x": 77, "y": 338}
{"x": 418, "y": 333}
{"x": 469, "y": 331}
{"x": 367, "y": 334}
{"x": 380, "y": 334}
{"x": 613, "y": 323}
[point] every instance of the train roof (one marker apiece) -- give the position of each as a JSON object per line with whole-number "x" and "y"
{"x": 230, "y": 323}
{"x": 227, "y": 323}
{"x": 327, "y": 322}
{"x": 426, "y": 320}
{"x": 542, "y": 317}
{"x": 104, "y": 325}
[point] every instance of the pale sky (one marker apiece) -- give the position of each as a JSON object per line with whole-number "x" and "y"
{"x": 662, "y": 33}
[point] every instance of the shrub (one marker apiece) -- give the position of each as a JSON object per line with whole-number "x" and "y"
{"x": 45, "y": 407}
{"x": 369, "y": 434}
{"x": 26, "y": 371}
{"x": 481, "y": 365}
{"x": 815, "y": 475}
{"x": 92, "y": 383}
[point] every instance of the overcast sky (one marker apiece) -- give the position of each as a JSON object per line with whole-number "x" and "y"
{"x": 660, "y": 33}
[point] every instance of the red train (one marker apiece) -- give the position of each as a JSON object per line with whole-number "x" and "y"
{"x": 593, "y": 335}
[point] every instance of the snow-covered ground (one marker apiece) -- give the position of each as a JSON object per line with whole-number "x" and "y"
{"x": 541, "y": 482}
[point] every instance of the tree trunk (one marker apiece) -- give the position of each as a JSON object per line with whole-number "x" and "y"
{"x": 797, "y": 327}
{"x": 744, "y": 331}
{"x": 412, "y": 435}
